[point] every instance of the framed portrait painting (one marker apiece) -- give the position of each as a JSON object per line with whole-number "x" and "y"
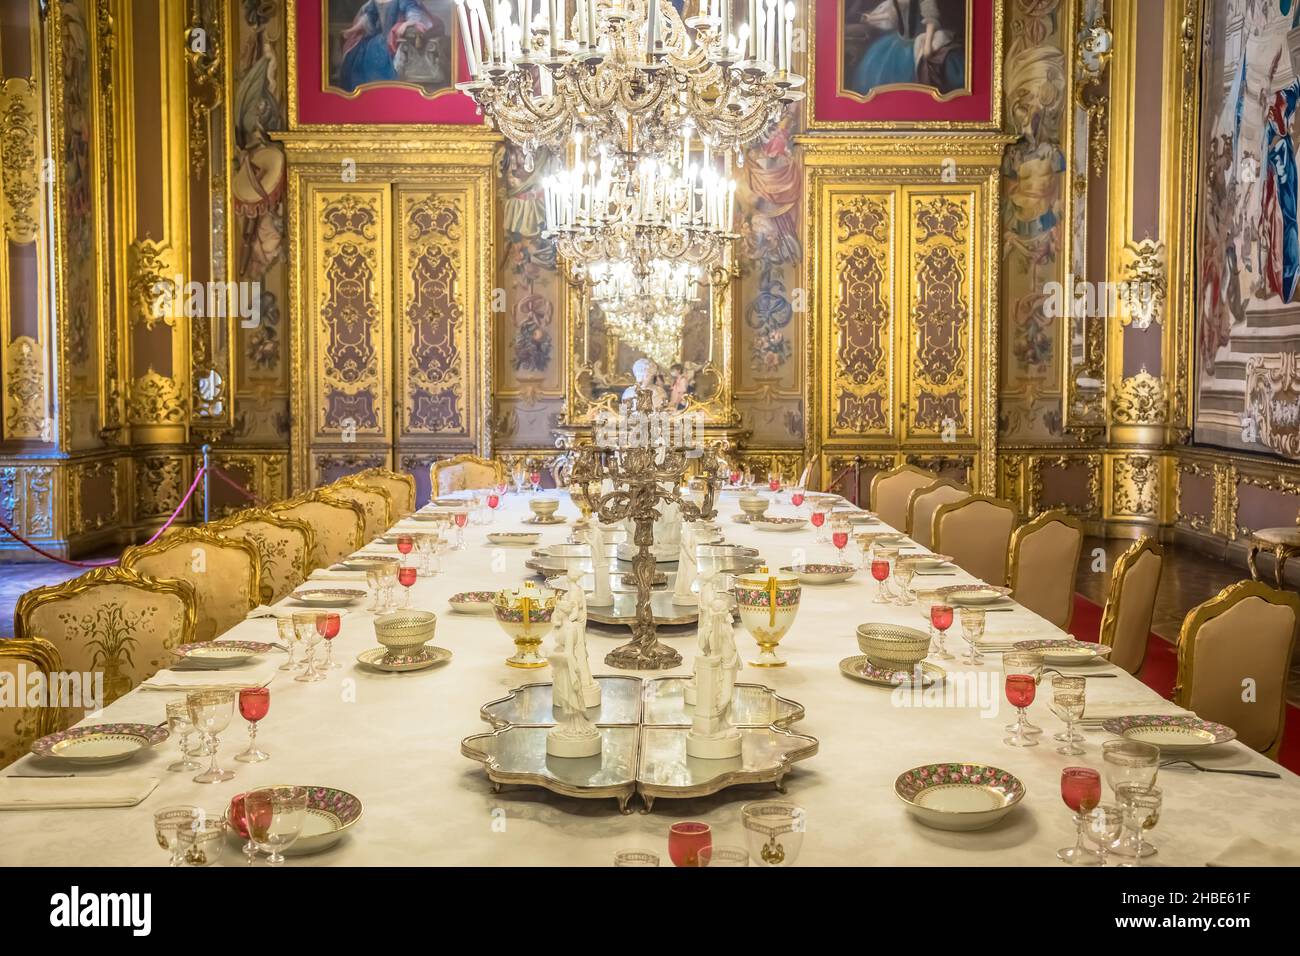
{"x": 906, "y": 64}
{"x": 375, "y": 63}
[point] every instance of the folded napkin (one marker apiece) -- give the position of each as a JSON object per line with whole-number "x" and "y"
{"x": 1248, "y": 851}
{"x": 1095, "y": 711}
{"x": 72, "y": 793}
{"x": 230, "y": 679}
{"x": 328, "y": 574}
{"x": 267, "y": 612}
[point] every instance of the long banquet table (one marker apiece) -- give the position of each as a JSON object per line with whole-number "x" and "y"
{"x": 394, "y": 741}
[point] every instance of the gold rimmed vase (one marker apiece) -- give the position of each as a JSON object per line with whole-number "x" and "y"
{"x": 767, "y": 604}
{"x": 525, "y": 614}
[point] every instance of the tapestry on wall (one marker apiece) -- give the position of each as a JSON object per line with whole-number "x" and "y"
{"x": 1248, "y": 305}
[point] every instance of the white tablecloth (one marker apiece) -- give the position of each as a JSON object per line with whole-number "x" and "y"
{"x": 394, "y": 741}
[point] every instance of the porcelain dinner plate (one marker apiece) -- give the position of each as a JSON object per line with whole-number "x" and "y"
{"x": 859, "y": 668}
{"x": 428, "y": 656}
{"x": 516, "y": 539}
{"x": 99, "y": 743}
{"x": 927, "y": 562}
{"x": 327, "y": 597}
{"x": 821, "y": 573}
{"x": 974, "y": 595}
{"x": 472, "y": 602}
{"x": 958, "y": 796}
{"x": 1064, "y": 652}
{"x": 330, "y": 814}
{"x": 778, "y": 524}
{"x": 221, "y": 653}
{"x": 362, "y": 562}
{"x": 1172, "y": 733}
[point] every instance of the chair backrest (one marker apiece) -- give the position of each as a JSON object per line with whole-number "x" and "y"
{"x": 339, "y": 525}
{"x": 806, "y": 475}
{"x": 922, "y": 503}
{"x": 226, "y": 574}
{"x": 114, "y": 620}
{"x": 464, "y": 472}
{"x": 1126, "y": 620}
{"x": 283, "y": 544}
{"x": 22, "y": 719}
{"x": 1044, "y": 565}
{"x": 891, "y": 490}
{"x": 374, "y": 499}
{"x": 976, "y": 533}
{"x": 399, "y": 485}
{"x": 1240, "y": 640}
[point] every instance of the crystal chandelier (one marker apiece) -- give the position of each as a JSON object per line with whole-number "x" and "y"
{"x": 607, "y": 207}
{"x": 656, "y": 334}
{"x": 660, "y": 286}
{"x": 629, "y": 72}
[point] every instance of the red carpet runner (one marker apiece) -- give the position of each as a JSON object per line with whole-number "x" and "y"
{"x": 1161, "y": 671}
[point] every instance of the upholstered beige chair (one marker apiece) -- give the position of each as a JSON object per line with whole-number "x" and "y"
{"x": 1126, "y": 620}
{"x": 373, "y": 499}
{"x": 1044, "y": 565}
{"x": 226, "y": 574}
{"x": 285, "y": 546}
{"x": 464, "y": 472}
{"x": 114, "y": 620}
{"x": 339, "y": 525}
{"x": 806, "y": 475}
{"x": 891, "y": 490}
{"x": 1234, "y": 652}
{"x": 400, "y": 488}
{"x": 924, "y": 502}
{"x": 976, "y": 533}
{"x": 20, "y": 724}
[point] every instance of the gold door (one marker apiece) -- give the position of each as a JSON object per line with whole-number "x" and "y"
{"x": 903, "y": 264}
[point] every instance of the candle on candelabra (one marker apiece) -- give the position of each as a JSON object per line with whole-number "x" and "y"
{"x": 787, "y": 47}
{"x": 467, "y": 38}
{"x": 652, "y": 27}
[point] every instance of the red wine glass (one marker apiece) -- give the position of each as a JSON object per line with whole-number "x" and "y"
{"x": 1021, "y": 686}
{"x": 796, "y": 498}
{"x": 535, "y": 479}
{"x": 406, "y": 578}
{"x": 1081, "y": 791}
{"x": 461, "y": 518}
{"x": 880, "y": 571}
{"x": 735, "y": 477}
{"x": 327, "y": 626}
{"x": 240, "y": 823}
{"x": 405, "y": 543}
{"x": 254, "y": 702}
{"x": 818, "y": 519}
{"x": 940, "y": 621}
{"x": 686, "y": 840}
{"x": 840, "y": 539}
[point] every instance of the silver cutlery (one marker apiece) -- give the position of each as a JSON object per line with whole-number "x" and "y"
{"x": 1241, "y": 773}
{"x": 37, "y": 776}
{"x": 1053, "y": 670}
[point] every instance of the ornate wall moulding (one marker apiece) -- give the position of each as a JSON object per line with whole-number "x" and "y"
{"x": 20, "y": 159}
{"x": 156, "y": 400}
{"x": 1145, "y": 284}
{"x": 1141, "y": 399}
{"x": 1135, "y": 486}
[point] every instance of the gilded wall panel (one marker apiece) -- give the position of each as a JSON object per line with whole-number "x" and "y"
{"x": 20, "y": 159}
{"x": 160, "y": 481}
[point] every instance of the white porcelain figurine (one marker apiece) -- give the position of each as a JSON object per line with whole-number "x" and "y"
{"x": 573, "y": 734}
{"x": 712, "y": 737}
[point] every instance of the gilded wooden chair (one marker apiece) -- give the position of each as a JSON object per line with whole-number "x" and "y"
{"x": 922, "y": 503}
{"x": 1234, "y": 653}
{"x": 1126, "y": 620}
{"x": 339, "y": 525}
{"x": 20, "y": 724}
{"x": 976, "y": 532}
{"x": 464, "y": 473}
{"x": 113, "y": 620}
{"x": 806, "y": 475}
{"x": 374, "y": 499}
{"x": 284, "y": 545}
{"x": 399, "y": 485}
{"x": 1044, "y": 565}
{"x": 890, "y": 491}
{"x": 226, "y": 574}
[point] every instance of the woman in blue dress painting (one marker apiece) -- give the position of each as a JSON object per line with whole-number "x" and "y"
{"x": 908, "y": 41}
{"x": 383, "y": 33}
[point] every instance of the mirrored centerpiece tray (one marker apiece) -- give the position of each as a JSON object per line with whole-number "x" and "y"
{"x": 643, "y": 725}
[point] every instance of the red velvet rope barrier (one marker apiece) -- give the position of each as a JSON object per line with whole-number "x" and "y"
{"x": 104, "y": 564}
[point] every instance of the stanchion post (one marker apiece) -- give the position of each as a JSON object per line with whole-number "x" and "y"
{"x": 207, "y": 481}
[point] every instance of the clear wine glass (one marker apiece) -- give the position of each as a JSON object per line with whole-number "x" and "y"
{"x": 1103, "y": 826}
{"x": 1068, "y": 696}
{"x": 168, "y": 823}
{"x": 211, "y": 712}
{"x": 202, "y": 842}
{"x": 1141, "y": 806}
{"x": 1127, "y": 761}
{"x": 304, "y": 625}
{"x": 284, "y": 631}
{"x": 1081, "y": 791}
{"x": 972, "y": 631}
{"x": 182, "y": 728}
{"x": 904, "y": 571}
{"x": 275, "y": 817}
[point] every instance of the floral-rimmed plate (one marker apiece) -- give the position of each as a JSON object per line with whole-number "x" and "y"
{"x": 430, "y": 515}
{"x": 381, "y": 660}
{"x": 959, "y": 796}
{"x": 821, "y": 573}
{"x": 517, "y": 539}
{"x": 885, "y": 539}
{"x": 926, "y": 562}
{"x": 368, "y": 562}
{"x": 223, "y": 653}
{"x": 778, "y": 524}
{"x": 97, "y": 744}
{"x": 1064, "y": 651}
{"x": 327, "y": 597}
{"x": 330, "y": 814}
{"x": 1172, "y": 733}
{"x": 973, "y": 595}
{"x": 859, "y": 668}
{"x": 472, "y": 602}
{"x": 854, "y": 516}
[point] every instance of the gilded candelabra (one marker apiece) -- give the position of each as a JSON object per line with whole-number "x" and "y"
{"x": 645, "y": 476}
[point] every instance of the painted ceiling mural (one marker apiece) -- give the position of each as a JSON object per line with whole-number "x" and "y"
{"x": 1248, "y": 303}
